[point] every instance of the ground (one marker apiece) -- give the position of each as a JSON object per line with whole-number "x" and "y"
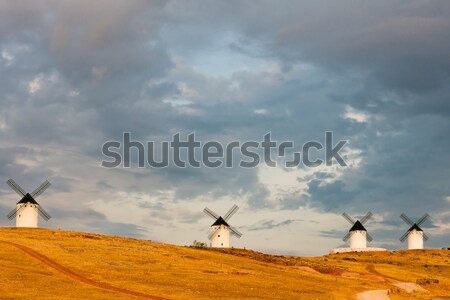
{"x": 42, "y": 263}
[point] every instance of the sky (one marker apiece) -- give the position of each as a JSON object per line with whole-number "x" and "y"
{"x": 76, "y": 74}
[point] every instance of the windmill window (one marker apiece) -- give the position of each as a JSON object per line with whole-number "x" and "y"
{"x": 221, "y": 244}
{"x": 218, "y": 235}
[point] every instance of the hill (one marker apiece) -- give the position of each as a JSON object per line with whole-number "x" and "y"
{"x": 54, "y": 264}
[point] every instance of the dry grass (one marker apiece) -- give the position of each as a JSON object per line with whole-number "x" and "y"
{"x": 175, "y": 272}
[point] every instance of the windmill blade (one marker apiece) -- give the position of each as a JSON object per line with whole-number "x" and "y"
{"x": 210, "y": 236}
{"x": 346, "y": 237}
{"x": 14, "y": 212}
{"x": 45, "y": 215}
{"x": 16, "y": 187}
{"x": 425, "y": 237}
{"x": 235, "y": 232}
{"x": 40, "y": 189}
{"x": 403, "y": 237}
{"x": 406, "y": 219}
{"x": 211, "y": 213}
{"x": 231, "y": 212}
{"x": 348, "y": 218}
{"x": 369, "y": 237}
{"x": 366, "y": 217}
{"x": 423, "y": 219}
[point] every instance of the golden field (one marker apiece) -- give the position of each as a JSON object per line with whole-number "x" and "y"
{"x": 55, "y": 264}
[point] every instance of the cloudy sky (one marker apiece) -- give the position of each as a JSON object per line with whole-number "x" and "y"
{"x": 377, "y": 73}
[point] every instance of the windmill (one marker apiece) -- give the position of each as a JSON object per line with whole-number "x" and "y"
{"x": 414, "y": 234}
{"x": 358, "y": 234}
{"x": 27, "y": 209}
{"x": 220, "y": 229}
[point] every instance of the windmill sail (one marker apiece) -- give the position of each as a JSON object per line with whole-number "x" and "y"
{"x": 366, "y": 217}
{"x": 45, "y": 215}
{"x": 210, "y": 213}
{"x": 235, "y": 232}
{"x": 406, "y": 219}
{"x": 231, "y": 212}
{"x": 423, "y": 219}
{"x": 16, "y": 187}
{"x": 40, "y": 189}
{"x": 14, "y": 212}
{"x": 213, "y": 233}
{"x": 348, "y": 218}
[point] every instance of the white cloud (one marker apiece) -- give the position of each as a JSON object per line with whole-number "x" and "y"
{"x": 288, "y": 183}
{"x": 7, "y": 56}
{"x": 98, "y": 72}
{"x": 74, "y": 93}
{"x": 3, "y": 125}
{"x": 260, "y": 111}
{"x": 35, "y": 85}
{"x": 355, "y": 115}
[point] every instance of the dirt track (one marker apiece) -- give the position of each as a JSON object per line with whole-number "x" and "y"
{"x": 371, "y": 269}
{"x": 54, "y": 265}
{"x": 373, "y": 295}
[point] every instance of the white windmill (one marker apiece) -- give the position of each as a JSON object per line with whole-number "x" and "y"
{"x": 414, "y": 234}
{"x": 27, "y": 209}
{"x": 220, "y": 229}
{"x": 358, "y": 234}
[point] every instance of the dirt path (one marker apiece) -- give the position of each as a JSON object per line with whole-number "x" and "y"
{"x": 373, "y": 295}
{"x": 409, "y": 287}
{"x": 54, "y": 265}
{"x": 371, "y": 269}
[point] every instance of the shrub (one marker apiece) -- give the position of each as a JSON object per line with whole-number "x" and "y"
{"x": 198, "y": 244}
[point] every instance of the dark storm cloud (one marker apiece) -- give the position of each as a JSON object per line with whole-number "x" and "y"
{"x": 399, "y": 43}
{"x": 75, "y": 74}
{"x": 16, "y": 163}
{"x": 270, "y": 224}
{"x": 400, "y": 65}
{"x": 333, "y": 195}
{"x": 99, "y": 223}
{"x": 333, "y": 233}
{"x": 104, "y": 62}
{"x": 385, "y": 45}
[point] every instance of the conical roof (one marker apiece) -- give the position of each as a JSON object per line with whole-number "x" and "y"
{"x": 357, "y": 226}
{"x": 220, "y": 221}
{"x": 27, "y": 198}
{"x": 415, "y": 227}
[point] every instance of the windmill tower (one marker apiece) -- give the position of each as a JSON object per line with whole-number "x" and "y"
{"x": 220, "y": 229}
{"x": 27, "y": 210}
{"x": 358, "y": 234}
{"x": 414, "y": 234}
